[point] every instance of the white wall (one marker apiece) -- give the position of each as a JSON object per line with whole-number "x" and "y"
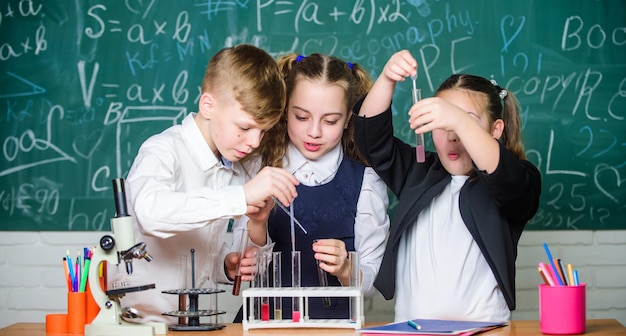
{"x": 32, "y": 280}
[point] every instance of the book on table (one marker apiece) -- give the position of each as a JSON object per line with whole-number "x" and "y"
{"x": 432, "y": 327}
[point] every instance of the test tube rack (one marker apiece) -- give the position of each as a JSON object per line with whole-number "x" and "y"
{"x": 303, "y": 294}
{"x": 193, "y": 314}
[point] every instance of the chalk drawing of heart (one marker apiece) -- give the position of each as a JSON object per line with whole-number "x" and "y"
{"x": 86, "y": 145}
{"x": 507, "y": 40}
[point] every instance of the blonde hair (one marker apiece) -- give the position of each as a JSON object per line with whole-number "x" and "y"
{"x": 354, "y": 80}
{"x": 254, "y": 79}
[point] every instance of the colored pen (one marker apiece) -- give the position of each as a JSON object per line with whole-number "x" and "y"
{"x": 553, "y": 265}
{"x": 67, "y": 274}
{"x": 576, "y": 282}
{"x": 83, "y": 280}
{"x": 570, "y": 273}
{"x": 414, "y": 325}
{"x": 562, "y": 271}
{"x": 71, "y": 269}
{"x": 545, "y": 273}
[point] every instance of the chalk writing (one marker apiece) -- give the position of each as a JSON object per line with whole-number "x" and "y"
{"x": 82, "y": 85}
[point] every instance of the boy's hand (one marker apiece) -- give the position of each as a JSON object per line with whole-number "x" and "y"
{"x": 248, "y": 264}
{"x": 259, "y": 212}
{"x": 271, "y": 181}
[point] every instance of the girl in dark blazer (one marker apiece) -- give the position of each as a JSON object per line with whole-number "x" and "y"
{"x": 453, "y": 242}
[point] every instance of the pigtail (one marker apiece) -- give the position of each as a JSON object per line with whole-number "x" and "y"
{"x": 360, "y": 86}
{"x": 512, "y": 136}
{"x": 274, "y": 144}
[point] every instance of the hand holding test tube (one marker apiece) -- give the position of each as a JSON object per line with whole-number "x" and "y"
{"x": 419, "y": 138}
{"x": 242, "y": 251}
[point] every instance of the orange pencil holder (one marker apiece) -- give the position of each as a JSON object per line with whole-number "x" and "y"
{"x": 92, "y": 306}
{"x": 56, "y": 324}
{"x": 76, "y": 312}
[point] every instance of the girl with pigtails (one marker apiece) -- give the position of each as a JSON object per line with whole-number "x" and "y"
{"x": 453, "y": 243}
{"x": 341, "y": 203}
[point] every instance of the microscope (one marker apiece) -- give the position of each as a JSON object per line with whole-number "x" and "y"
{"x": 117, "y": 248}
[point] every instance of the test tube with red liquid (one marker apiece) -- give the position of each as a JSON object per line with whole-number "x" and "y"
{"x": 419, "y": 138}
{"x": 262, "y": 263}
{"x": 242, "y": 251}
{"x": 295, "y": 283}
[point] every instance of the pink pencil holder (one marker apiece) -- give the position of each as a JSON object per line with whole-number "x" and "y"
{"x": 562, "y": 309}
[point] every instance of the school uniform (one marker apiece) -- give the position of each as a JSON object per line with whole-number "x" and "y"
{"x": 494, "y": 208}
{"x": 181, "y": 197}
{"x": 337, "y": 198}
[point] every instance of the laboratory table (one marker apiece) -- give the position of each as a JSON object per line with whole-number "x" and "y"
{"x": 605, "y": 327}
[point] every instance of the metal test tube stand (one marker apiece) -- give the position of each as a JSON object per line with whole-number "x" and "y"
{"x": 116, "y": 248}
{"x": 301, "y": 295}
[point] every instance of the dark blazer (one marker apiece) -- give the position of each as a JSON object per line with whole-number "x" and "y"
{"x": 495, "y": 207}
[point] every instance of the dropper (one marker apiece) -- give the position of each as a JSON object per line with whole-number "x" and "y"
{"x": 419, "y": 138}
{"x": 284, "y": 209}
{"x": 293, "y": 231}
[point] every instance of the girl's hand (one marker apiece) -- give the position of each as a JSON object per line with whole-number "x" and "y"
{"x": 436, "y": 113}
{"x": 333, "y": 258}
{"x": 400, "y": 65}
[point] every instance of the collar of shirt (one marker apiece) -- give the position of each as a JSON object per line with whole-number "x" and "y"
{"x": 309, "y": 172}
{"x": 202, "y": 153}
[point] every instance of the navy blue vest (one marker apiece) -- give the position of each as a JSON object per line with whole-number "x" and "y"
{"x": 325, "y": 211}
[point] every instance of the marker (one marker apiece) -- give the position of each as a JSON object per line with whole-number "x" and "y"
{"x": 414, "y": 325}
{"x": 71, "y": 269}
{"x": 545, "y": 273}
{"x": 553, "y": 265}
{"x": 67, "y": 274}
{"x": 562, "y": 272}
{"x": 83, "y": 280}
{"x": 570, "y": 273}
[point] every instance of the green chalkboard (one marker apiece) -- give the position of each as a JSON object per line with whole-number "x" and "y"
{"x": 84, "y": 83}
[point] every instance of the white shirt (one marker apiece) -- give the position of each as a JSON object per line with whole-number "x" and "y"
{"x": 371, "y": 222}
{"x": 441, "y": 273}
{"x": 181, "y": 197}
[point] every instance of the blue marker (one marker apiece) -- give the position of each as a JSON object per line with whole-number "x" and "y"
{"x": 554, "y": 269}
{"x": 414, "y": 325}
{"x": 575, "y": 272}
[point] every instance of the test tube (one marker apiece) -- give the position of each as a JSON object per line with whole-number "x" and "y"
{"x": 182, "y": 299}
{"x": 355, "y": 281}
{"x": 419, "y": 138}
{"x": 264, "y": 283}
{"x": 323, "y": 280}
{"x": 242, "y": 251}
{"x": 278, "y": 303}
{"x": 212, "y": 282}
{"x": 295, "y": 283}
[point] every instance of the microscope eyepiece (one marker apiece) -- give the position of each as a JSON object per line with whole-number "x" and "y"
{"x": 119, "y": 194}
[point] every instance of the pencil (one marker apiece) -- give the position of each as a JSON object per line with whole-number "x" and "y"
{"x": 570, "y": 273}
